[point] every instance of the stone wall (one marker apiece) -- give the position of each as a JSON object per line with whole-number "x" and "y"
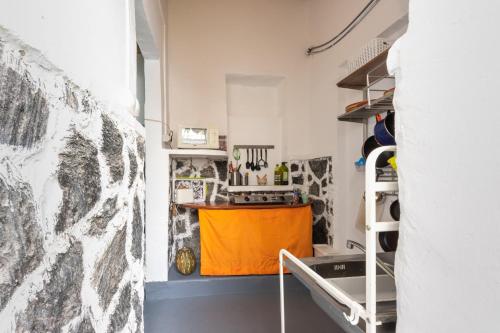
{"x": 184, "y": 227}
{"x": 71, "y": 203}
{"x": 315, "y": 177}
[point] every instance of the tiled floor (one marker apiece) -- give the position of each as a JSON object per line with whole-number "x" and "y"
{"x": 237, "y": 313}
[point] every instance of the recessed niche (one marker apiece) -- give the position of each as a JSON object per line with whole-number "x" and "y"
{"x": 255, "y": 108}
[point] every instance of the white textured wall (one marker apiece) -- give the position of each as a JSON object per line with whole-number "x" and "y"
{"x": 92, "y": 41}
{"x": 329, "y": 136}
{"x": 447, "y": 125}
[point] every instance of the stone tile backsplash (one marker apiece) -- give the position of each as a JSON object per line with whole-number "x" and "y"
{"x": 315, "y": 177}
{"x": 184, "y": 227}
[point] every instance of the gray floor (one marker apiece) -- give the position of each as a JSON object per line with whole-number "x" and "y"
{"x": 237, "y": 313}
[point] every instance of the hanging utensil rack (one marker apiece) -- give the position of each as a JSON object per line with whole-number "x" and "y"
{"x": 253, "y": 147}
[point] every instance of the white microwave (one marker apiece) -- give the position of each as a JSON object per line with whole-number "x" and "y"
{"x": 198, "y": 137}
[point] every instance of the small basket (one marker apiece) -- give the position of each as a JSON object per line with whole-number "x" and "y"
{"x": 375, "y": 47}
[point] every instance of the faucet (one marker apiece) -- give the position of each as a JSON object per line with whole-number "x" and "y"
{"x": 352, "y": 244}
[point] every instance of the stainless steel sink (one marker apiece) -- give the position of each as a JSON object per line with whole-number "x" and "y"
{"x": 348, "y": 274}
{"x": 355, "y": 286}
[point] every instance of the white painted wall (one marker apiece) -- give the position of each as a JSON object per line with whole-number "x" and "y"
{"x": 448, "y": 268}
{"x": 255, "y": 107}
{"x": 92, "y": 41}
{"x": 209, "y": 39}
{"x": 328, "y": 136}
{"x": 153, "y": 42}
{"x": 157, "y": 187}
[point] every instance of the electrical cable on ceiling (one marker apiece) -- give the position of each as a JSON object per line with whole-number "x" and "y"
{"x": 335, "y": 40}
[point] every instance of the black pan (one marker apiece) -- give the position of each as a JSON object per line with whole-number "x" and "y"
{"x": 394, "y": 209}
{"x": 389, "y": 240}
{"x": 370, "y": 145}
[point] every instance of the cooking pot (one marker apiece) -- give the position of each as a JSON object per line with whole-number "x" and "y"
{"x": 394, "y": 210}
{"x": 384, "y": 130}
{"x": 370, "y": 145}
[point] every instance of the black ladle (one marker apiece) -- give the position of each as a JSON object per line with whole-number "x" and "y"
{"x": 265, "y": 162}
{"x": 257, "y": 166}
{"x": 248, "y": 165}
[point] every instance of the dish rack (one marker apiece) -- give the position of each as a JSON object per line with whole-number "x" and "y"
{"x": 368, "y": 310}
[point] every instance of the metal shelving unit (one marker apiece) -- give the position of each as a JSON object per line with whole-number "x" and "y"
{"x": 376, "y": 106}
{"x": 357, "y": 79}
{"x": 368, "y": 78}
{"x": 357, "y": 310}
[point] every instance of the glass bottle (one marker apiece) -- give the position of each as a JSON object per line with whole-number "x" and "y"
{"x": 277, "y": 175}
{"x": 284, "y": 174}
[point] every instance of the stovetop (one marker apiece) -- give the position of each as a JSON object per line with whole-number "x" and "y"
{"x": 261, "y": 198}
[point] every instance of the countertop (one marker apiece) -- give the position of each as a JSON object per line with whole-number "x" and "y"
{"x": 228, "y": 205}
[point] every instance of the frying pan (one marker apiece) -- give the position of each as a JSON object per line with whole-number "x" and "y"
{"x": 389, "y": 240}
{"x": 394, "y": 210}
{"x": 370, "y": 145}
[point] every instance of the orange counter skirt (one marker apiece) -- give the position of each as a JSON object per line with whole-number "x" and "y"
{"x": 248, "y": 241}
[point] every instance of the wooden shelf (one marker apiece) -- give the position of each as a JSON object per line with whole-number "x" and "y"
{"x": 197, "y": 153}
{"x": 228, "y": 205}
{"x": 364, "y": 112}
{"x": 357, "y": 79}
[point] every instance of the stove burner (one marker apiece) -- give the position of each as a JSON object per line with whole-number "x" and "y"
{"x": 261, "y": 198}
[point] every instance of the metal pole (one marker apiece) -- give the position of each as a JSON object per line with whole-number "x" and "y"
{"x": 282, "y": 295}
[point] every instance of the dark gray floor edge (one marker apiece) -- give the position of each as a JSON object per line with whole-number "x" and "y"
{"x": 156, "y": 291}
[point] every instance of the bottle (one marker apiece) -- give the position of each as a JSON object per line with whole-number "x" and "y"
{"x": 277, "y": 175}
{"x": 284, "y": 174}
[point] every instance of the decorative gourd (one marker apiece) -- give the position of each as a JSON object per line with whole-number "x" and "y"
{"x": 185, "y": 261}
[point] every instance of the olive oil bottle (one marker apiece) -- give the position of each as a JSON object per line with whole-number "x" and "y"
{"x": 284, "y": 174}
{"x": 277, "y": 175}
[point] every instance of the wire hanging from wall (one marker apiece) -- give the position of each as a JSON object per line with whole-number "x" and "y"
{"x": 335, "y": 40}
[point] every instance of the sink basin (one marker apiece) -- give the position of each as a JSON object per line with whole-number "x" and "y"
{"x": 355, "y": 286}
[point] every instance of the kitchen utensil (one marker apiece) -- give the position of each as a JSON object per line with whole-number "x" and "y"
{"x": 236, "y": 178}
{"x": 355, "y": 106}
{"x": 252, "y": 165}
{"x": 265, "y": 161}
{"x": 388, "y": 240}
{"x": 384, "y": 130}
{"x": 236, "y": 155}
{"x": 261, "y": 160}
{"x": 371, "y": 144}
{"x": 394, "y": 210}
{"x": 257, "y": 165}
{"x": 248, "y": 165}
{"x": 304, "y": 197}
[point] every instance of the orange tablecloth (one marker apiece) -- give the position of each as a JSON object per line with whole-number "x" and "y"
{"x": 248, "y": 241}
